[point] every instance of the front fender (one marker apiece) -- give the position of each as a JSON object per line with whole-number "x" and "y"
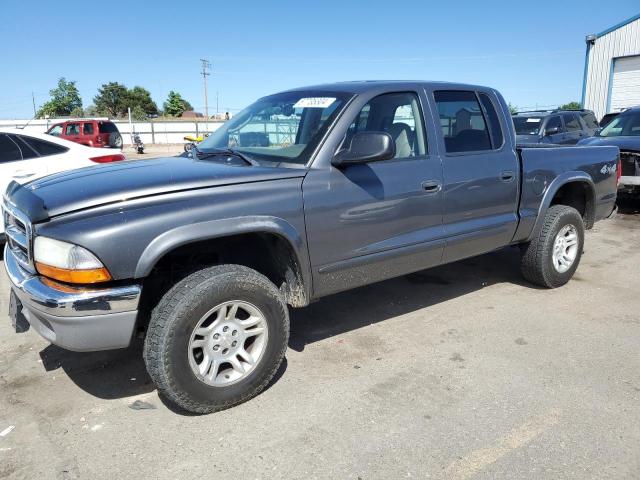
{"x": 185, "y": 234}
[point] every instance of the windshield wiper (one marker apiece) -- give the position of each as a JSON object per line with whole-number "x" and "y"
{"x": 224, "y": 151}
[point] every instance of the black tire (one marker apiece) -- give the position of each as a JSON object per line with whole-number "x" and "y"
{"x": 537, "y": 258}
{"x": 177, "y": 314}
{"x": 115, "y": 140}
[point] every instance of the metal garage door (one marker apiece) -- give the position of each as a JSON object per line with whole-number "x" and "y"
{"x": 625, "y": 86}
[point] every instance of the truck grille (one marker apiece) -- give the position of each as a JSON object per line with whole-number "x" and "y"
{"x": 17, "y": 229}
{"x": 630, "y": 164}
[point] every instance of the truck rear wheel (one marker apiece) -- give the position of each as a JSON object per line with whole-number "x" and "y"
{"x": 551, "y": 259}
{"x": 216, "y": 338}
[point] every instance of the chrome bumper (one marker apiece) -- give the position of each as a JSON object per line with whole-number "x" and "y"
{"x": 75, "y": 319}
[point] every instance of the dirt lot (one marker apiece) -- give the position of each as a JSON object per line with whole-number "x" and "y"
{"x": 460, "y": 372}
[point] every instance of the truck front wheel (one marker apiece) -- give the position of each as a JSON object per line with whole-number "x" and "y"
{"x": 216, "y": 338}
{"x": 551, "y": 259}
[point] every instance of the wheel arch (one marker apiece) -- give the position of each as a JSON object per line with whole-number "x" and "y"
{"x": 574, "y": 189}
{"x": 282, "y": 261}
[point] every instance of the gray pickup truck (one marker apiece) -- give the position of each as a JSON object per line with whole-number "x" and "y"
{"x": 303, "y": 194}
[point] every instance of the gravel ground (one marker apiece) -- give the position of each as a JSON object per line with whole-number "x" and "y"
{"x": 460, "y": 372}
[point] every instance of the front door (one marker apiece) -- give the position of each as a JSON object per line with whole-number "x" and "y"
{"x": 481, "y": 174}
{"x": 376, "y": 220}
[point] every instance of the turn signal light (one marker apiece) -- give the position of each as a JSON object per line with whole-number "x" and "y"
{"x": 94, "y": 275}
{"x": 118, "y": 157}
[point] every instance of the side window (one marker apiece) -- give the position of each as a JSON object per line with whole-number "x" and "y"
{"x": 494, "y": 122}
{"x": 87, "y": 128}
{"x": 9, "y": 151}
{"x": 554, "y": 122}
{"x": 26, "y": 151}
{"x": 72, "y": 129}
{"x": 397, "y": 114}
{"x": 43, "y": 147}
{"x": 56, "y": 130}
{"x": 571, "y": 122}
{"x": 462, "y": 121}
{"x": 589, "y": 119}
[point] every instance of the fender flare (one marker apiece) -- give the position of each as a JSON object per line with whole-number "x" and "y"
{"x": 185, "y": 234}
{"x": 556, "y": 184}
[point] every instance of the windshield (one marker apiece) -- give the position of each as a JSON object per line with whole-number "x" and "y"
{"x": 527, "y": 125}
{"x": 285, "y": 127}
{"x": 624, "y": 125}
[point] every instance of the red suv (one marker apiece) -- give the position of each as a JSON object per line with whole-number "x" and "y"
{"x": 93, "y": 133}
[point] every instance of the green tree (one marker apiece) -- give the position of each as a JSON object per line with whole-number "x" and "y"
{"x": 141, "y": 98}
{"x": 571, "y": 106}
{"x": 77, "y": 112}
{"x": 65, "y": 98}
{"x": 175, "y": 105}
{"x": 512, "y": 109}
{"x": 112, "y": 99}
{"x": 138, "y": 113}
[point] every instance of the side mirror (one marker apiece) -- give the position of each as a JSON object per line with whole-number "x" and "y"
{"x": 366, "y": 147}
{"x": 551, "y": 131}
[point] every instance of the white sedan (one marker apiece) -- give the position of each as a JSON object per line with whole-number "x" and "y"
{"x": 25, "y": 156}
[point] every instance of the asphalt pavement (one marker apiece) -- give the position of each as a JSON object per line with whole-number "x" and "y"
{"x": 460, "y": 372}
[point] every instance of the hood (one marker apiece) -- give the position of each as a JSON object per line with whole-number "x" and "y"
{"x": 624, "y": 143}
{"x": 93, "y": 186}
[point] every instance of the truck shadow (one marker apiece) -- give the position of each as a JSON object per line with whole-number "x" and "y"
{"x": 368, "y": 305}
{"x": 122, "y": 373}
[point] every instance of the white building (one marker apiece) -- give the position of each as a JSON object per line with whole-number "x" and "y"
{"x": 612, "y": 68}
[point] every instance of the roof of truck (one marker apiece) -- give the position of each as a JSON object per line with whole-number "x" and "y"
{"x": 361, "y": 86}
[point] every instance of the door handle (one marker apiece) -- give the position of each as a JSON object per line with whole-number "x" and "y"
{"x": 507, "y": 175}
{"x": 431, "y": 186}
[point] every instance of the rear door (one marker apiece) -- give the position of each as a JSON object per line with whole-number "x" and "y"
{"x": 481, "y": 173}
{"x": 573, "y": 128}
{"x": 88, "y": 134}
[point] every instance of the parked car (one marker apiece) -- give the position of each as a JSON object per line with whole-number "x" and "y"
{"x": 92, "y": 133}
{"x": 556, "y": 126}
{"x": 606, "y": 119}
{"x": 624, "y": 132}
{"x": 26, "y": 156}
{"x": 370, "y": 180}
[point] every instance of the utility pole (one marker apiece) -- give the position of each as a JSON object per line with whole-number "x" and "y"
{"x": 206, "y": 66}
{"x": 33, "y": 99}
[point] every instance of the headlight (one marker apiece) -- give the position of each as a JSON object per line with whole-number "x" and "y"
{"x": 67, "y": 262}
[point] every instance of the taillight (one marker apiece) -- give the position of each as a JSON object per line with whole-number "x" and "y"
{"x": 108, "y": 158}
{"x": 618, "y": 172}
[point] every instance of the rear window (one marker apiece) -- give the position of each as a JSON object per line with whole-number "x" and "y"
{"x": 589, "y": 119}
{"x": 494, "y": 122}
{"x": 527, "y": 125}
{"x": 571, "y": 122}
{"x": 107, "y": 127}
{"x": 462, "y": 121}
{"x": 9, "y": 151}
{"x": 43, "y": 147}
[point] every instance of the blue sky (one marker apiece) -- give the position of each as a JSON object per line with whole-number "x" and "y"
{"x": 533, "y": 54}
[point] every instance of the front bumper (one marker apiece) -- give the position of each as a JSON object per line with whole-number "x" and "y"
{"x": 76, "y": 319}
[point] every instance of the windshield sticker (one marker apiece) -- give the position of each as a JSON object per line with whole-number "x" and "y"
{"x": 314, "y": 102}
{"x": 533, "y": 120}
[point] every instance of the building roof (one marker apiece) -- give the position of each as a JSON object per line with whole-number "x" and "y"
{"x": 618, "y": 25}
